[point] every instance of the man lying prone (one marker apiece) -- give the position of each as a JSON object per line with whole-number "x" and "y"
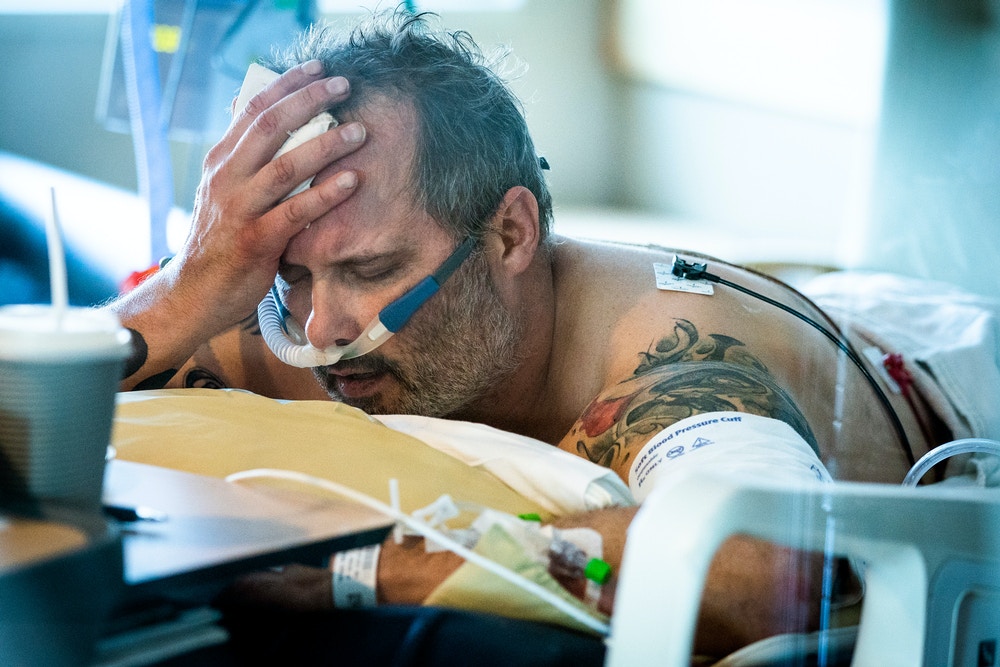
{"x": 573, "y": 343}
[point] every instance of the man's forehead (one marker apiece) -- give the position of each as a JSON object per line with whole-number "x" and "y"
{"x": 363, "y": 229}
{"x": 384, "y": 215}
{"x": 391, "y": 131}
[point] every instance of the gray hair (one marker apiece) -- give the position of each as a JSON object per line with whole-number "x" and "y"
{"x": 473, "y": 143}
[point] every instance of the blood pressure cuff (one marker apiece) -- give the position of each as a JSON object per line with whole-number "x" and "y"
{"x": 749, "y": 446}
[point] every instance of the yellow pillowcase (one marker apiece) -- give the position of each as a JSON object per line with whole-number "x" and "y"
{"x": 219, "y": 432}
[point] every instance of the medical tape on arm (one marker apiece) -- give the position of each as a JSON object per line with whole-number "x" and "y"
{"x": 747, "y": 445}
{"x": 354, "y": 575}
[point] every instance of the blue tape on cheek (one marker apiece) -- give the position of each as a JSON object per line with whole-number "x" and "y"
{"x": 399, "y": 312}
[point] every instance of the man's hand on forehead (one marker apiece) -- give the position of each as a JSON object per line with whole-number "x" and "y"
{"x": 240, "y": 226}
{"x": 268, "y": 124}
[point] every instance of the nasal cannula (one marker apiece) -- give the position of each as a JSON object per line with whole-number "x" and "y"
{"x": 288, "y": 341}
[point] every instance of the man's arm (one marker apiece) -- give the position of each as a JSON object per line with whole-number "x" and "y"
{"x": 240, "y": 226}
{"x": 681, "y": 375}
{"x": 754, "y": 590}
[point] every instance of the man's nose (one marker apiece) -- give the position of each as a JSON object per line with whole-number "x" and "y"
{"x": 335, "y": 318}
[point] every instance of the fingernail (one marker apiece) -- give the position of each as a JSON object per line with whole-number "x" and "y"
{"x": 312, "y": 67}
{"x": 353, "y": 133}
{"x": 347, "y": 180}
{"x": 337, "y": 85}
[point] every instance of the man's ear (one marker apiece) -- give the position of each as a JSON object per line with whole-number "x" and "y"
{"x": 516, "y": 227}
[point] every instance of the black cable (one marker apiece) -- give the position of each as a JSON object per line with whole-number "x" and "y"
{"x": 695, "y": 271}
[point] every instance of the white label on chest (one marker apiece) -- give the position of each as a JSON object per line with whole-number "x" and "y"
{"x": 666, "y": 280}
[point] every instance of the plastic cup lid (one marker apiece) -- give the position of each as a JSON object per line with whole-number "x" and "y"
{"x": 37, "y": 333}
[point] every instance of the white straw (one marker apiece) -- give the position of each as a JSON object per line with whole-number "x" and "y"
{"x": 57, "y": 262}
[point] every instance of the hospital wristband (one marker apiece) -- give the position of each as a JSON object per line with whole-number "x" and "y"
{"x": 354, "y": 573}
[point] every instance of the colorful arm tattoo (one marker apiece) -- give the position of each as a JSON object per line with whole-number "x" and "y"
{"x": 681, "y": 376}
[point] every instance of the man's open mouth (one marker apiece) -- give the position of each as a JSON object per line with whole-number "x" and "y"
{"x": 354, "y": 381}
{"x": 356, "y": 376}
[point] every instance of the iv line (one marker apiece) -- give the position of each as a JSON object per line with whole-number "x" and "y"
{"x": 434, "y": 535}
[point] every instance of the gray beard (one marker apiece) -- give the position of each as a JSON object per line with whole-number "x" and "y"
{"x": 459, "y": 347}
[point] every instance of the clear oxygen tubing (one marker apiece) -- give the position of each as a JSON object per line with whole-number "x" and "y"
{"x": 947, "y": 450}
{"x": 434, "y": 535}
{"x": 287, "y": 340}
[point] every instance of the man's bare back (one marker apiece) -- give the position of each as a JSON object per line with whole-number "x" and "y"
{"x": 635, "y": 325}
{"x": 611, "y": 322}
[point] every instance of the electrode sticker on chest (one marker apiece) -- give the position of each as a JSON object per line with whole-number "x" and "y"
{"x": 667, "y": 281}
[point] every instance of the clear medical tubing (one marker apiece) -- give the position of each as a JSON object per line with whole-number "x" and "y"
{"x": 303, "y": 355}
{"x": 429, "y": 532}
{"x": 947, "y": 450}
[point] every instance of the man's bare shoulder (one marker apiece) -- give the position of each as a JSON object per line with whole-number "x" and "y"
{"x": 599, "y": 283}
{"x": 585, "y": 261}
{"x": 618, "y": 324}
{"x": 618, "y": 302}
{"x": 608, "y": 268}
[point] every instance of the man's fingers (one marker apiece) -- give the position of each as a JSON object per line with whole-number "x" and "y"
{"x": 289, "y": 82}
{"x": 303, "y": 209}
{"x": 283, "y": 174}
{"x": 285, "y": 104}
{"x": 273, "y": 125}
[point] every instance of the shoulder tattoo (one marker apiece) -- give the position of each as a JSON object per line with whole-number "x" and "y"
{"x": 680, "y": 376}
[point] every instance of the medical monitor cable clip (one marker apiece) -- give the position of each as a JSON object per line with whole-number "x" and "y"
{"x": 691, "y": 270}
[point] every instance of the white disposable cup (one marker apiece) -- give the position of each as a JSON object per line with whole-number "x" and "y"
{"x": 59, "y": 372}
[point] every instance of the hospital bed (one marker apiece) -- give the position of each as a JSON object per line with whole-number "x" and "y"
{"x": 916, "y": 576}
